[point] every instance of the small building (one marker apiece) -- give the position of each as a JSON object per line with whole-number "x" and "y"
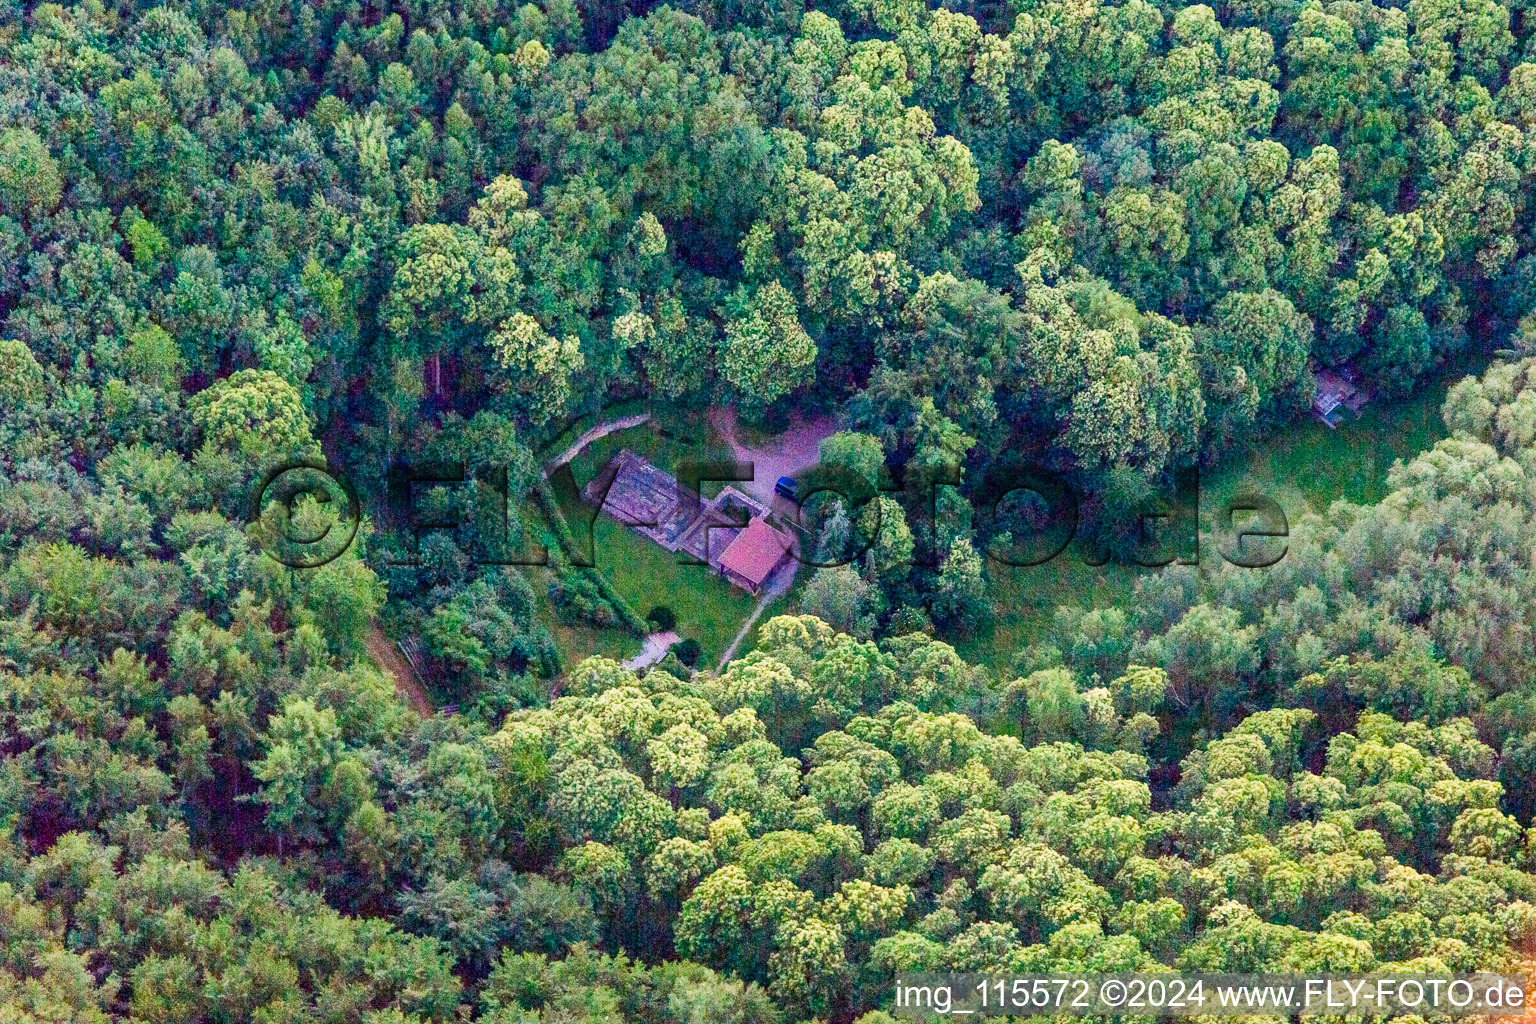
{"x": 754, "y": 555}
{"x": 1338, "y": 391}
{"x": 644, "y": 498}
{"x": 728, "y": 532}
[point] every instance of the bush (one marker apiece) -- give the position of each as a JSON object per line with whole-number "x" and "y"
{"x": 672, "y": 665}
{"x": 687, "y": 651}
{"x": 662, "y": 617}
{"x": 579, "y": 598}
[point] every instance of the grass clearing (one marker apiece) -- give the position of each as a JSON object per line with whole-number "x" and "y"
{"x": 1305, "y": 467}
{"x": 645, "y": 574}
{"x": 577, "y": 642}
{"x": 1308, "y": 466}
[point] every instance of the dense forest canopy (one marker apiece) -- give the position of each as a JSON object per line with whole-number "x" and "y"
{"x": 1111, "y": 240}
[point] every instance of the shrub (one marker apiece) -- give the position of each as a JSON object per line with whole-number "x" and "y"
{"x": 687, "y": 651}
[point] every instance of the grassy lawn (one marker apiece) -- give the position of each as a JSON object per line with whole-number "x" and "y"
{"x": 645, "y": 574}
{"x": 577, "y": 642}
{"x": 1308, "y": 466}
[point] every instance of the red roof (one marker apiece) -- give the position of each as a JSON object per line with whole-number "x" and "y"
{"x": 755, "y": 553}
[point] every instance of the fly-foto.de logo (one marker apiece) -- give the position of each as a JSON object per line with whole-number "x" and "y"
{"x": 307, "y": 513}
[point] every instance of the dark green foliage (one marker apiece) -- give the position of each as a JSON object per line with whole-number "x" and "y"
{"x": 1110, "y": 238}
{"x": 687, "y": 651}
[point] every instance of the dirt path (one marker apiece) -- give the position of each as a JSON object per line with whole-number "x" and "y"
{"x": 652, "y": 649}
{"x": 776, "y": 588}
{"x": 388, "y": 657}
{"x": 798, "y": 448}
{"x": 601, "y": 430}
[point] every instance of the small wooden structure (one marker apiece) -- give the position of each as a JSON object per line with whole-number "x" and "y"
{"x": 754, "y": 555}
{"x": 1338, "y": 391}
